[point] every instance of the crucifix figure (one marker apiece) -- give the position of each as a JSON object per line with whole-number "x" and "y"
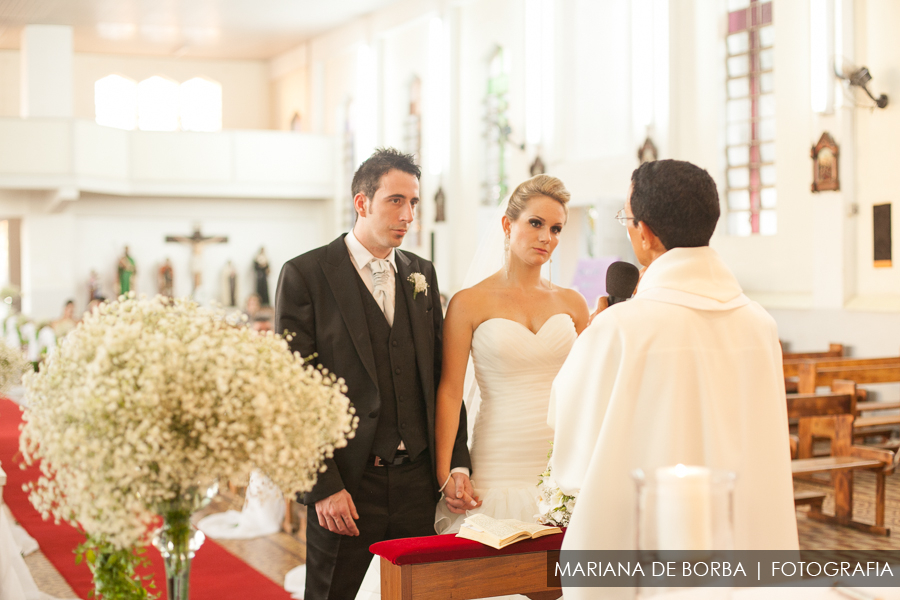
{"x": 197, "y": 241}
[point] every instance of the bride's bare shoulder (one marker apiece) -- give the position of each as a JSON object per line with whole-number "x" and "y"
{"x": 471, "y": 303}
{"x": 576, "y": 306}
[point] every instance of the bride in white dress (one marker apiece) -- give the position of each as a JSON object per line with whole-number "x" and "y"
{"x": 519, "y": 329}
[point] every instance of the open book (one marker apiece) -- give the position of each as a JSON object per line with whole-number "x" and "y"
{"x": 499, "y": 533}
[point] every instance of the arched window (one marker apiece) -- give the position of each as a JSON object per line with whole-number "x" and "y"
{"x": 158, "y": 104}
{"x": 115, "y": 102}
{"x": 200, "y": 105}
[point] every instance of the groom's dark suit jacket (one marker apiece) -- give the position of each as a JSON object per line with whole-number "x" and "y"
{"x": 318, "y": 300}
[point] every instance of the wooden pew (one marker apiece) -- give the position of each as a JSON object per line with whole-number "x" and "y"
{"x": 792, "y": 359}
{"x": 834, "y": 351}
{"x": 815, "y": 373}
{"x": 845, "y": 458}
{"x": 792, "y": 366}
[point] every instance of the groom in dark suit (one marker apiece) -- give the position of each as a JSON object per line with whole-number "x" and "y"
{"x": 372, "y": 314}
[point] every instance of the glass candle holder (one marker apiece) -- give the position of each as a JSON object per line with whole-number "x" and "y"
{"x": 684, "y": 508}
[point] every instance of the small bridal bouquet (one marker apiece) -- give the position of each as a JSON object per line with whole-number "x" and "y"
{"x": 555, "y": 507}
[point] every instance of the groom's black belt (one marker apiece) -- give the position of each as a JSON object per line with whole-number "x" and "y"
{"x": 402, "y": 456}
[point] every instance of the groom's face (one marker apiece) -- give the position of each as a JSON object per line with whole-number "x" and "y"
{"x": 385, "y": 219}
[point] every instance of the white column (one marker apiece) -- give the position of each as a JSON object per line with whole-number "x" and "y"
{"x": 834, "y": 221}
{"x": 46, "y": 66}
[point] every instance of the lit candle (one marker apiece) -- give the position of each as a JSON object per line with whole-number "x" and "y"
{"x": 683, "y": 508}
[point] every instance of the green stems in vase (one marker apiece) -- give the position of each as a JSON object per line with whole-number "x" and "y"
{"x": 178, "y": 540}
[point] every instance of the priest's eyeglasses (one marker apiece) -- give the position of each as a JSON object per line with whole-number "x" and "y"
{"x": 622, "y": 219}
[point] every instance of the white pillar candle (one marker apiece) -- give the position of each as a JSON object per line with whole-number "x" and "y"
{"x": 683, "y": 508}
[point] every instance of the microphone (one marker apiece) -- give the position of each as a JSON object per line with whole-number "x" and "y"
{"x": 621, "y": 281}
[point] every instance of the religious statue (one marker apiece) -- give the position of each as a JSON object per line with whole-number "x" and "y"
{"x": 165, "y": 279}
{"x": 647, "y": 152}
{"x": 94, "y": 292}
{"x": 439, "y": 201}
{"x": 261, "y": 267}
{"x": 197, "y": 241}
{"x": 537, "y": 167}
{"x": 229, "y": 285}
{"x": 125, "y": 273}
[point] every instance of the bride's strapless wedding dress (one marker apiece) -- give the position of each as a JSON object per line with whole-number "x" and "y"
{"x": 514, "y": 368}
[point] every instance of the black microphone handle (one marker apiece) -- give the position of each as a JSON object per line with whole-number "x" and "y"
{"x": 614, "y": 300}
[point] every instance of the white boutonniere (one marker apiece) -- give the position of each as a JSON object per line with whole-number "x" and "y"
{"x": 419, "y": 284}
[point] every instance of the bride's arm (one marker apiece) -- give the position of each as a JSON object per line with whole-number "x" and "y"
{"x": 579, "y": 310}
{"x": 457, "y": 343}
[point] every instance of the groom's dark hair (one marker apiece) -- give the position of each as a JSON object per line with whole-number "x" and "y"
{"x": 368, "y": 175}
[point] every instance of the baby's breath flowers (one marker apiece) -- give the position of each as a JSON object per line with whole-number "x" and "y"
{"x": 147, "y": 398}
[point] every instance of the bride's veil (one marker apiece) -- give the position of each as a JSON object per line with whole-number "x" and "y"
{"x": 488, "y": 259}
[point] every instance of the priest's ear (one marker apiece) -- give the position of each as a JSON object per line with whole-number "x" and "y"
{"x": 650, "y": 242}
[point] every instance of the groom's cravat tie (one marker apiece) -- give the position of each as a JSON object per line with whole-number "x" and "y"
{"x": 381, "y": 277}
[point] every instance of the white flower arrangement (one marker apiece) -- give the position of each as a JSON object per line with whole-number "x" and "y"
{"x": 149, "y": 398}
{"x": 555, "y": 507}
{"x": 12, "y": 365}
{"x": 420, "y": 284}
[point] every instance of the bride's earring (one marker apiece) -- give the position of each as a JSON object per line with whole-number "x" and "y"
{"x": 506, "y": 255}
{"x": 551, "y": 272}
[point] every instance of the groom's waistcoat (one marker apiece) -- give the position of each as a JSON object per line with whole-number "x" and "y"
{"x": 402, "y": 412}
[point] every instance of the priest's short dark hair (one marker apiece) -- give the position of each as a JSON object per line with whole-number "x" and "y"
{"x": 677, "y": 200}
{"x": 368, "y": 176}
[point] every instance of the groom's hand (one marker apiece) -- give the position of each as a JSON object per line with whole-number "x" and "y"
{"x": 460, "y": 495}
{"x": 337, "y": 513}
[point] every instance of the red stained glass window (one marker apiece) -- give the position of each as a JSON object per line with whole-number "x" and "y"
{"x": 750, "y": 118}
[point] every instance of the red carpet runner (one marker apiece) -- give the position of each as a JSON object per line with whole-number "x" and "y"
{"x": 216, "y": 574}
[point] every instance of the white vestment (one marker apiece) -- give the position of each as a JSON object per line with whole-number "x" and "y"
{"x": 689, "y": 371}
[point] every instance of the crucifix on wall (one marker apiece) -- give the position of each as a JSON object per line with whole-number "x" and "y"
{"x": 197, "y": 241}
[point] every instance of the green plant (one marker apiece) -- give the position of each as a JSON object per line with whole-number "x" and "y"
{"x": 115, "y": 571}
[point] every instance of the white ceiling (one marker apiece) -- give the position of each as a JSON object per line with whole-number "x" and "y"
{"x": 253, "y": 29}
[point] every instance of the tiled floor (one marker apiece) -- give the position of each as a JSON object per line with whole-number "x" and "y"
{"x": 276, "y": 554}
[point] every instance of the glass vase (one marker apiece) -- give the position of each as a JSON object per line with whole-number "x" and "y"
{"x": 178, "y": 540}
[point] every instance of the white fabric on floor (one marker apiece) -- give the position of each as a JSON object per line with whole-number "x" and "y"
{"x": 16, "y": 582}
{"x": 263, "y": 513}
{"x": 295, "y": 582}
{"x": 26, "y": 544}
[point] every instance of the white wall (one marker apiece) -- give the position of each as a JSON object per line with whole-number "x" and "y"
{"x": 245, "y": 83}
{"x": 59, "y": 251}
{"x": 877, "y": 134}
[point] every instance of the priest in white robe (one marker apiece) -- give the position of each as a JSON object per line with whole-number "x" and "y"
{"x": 688, "y": 371}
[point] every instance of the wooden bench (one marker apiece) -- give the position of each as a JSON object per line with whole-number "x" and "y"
{"x": 792, "y": 359}
{"x": 812, "y": 373}
{"x": 444, "y": 566}
{"x": 844, "y": 461}
{"x": 813, "y": 500}
{"x": 834, "y": 351}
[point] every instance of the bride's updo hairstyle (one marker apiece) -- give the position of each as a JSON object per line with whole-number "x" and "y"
{"x": 539, "y": 185}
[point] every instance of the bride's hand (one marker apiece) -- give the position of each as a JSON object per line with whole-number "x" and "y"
{"x": 460, "y": 495}
{"x": 602, "y": 304}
